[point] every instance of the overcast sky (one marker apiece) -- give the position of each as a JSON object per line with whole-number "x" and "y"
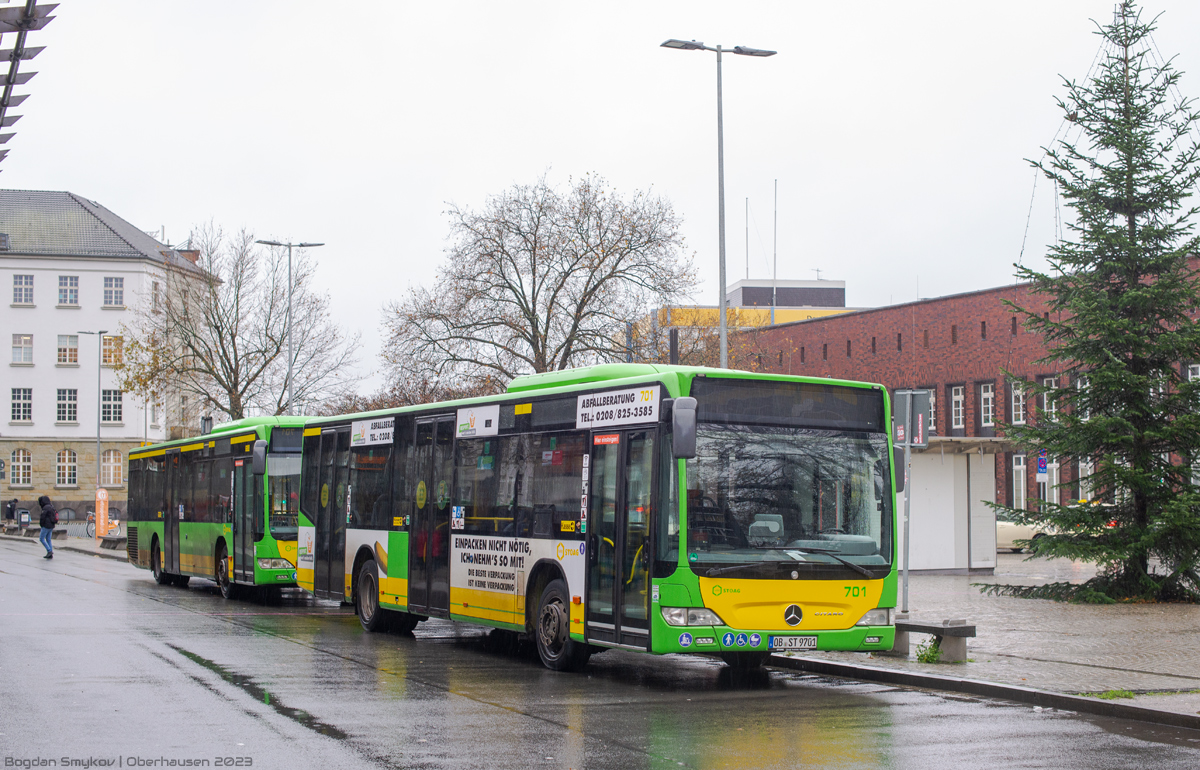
{"x": 896, "y": 131}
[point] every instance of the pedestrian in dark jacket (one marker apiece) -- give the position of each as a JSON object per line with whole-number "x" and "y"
{"x": 10, "y": 510}
{"x": 48, "y": 521}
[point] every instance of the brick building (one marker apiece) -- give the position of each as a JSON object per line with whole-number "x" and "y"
{"x": 956, "y": 346}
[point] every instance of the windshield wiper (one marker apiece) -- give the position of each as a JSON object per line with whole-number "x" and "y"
{"x": 735, "y": 567}
{"x": 827, "y": 552}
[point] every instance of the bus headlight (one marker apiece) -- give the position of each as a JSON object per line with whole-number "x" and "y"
{"x": 275, "y": 564}
{"x": 690, "y": 616}
{"x": 877, "y": 617}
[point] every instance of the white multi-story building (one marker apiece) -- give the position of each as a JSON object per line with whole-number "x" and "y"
{"x": 72, "y": 270}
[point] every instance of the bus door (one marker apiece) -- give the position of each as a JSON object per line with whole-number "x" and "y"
{"x": 172, "y": 513}
{"x": 429, "y": 534}
{"x": 244, "y": 511}
{"x": 619, "y": 511}
{"x": 329, "y": 567}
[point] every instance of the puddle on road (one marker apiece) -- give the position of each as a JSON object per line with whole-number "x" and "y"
{"x": 247, "y": 685}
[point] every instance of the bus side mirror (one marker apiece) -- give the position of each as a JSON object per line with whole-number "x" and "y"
{"x": 259, "y": 463}
{"x": 683, "y": 427}
{"x": 898, "y": 466}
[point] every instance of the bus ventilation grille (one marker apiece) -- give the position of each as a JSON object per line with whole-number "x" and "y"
{"x": 131, "y": 544}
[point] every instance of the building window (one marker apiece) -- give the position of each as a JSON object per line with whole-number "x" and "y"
{"x": 926, "y": 336}
{"x": 1018, "y": 404}
{"x": 1048, "y": 489}
{"x": 958, "y": 411}
{"x": 68, "y": 399}
{"x": 22, "y": 468}
{"x": 872, "y": 344}
{"x": 847, "y": 348}
{"x": 953, "y": 334}
{"x": 68, "y": 290}
{"x": 1014, "y": 325}
{"x": 825, "y": 352}
{"x": 801, "y": 354}
{"x": 932, "y": 410}
{"x": 22, "y": 349}
{"x": 110, "y": 353}
{"x": 68, "y": 349}
{"x": 983, "y": 330}
{"x": 898, "y": 345}
{"x": 1049, "y": 405}
{"x": 110, "y": 468}
{"x": 114, "y": 292}
{"x": 110, "y": 406}
{"x": 1018, "y": 482}
{"x": 1081, "y": 384}
{"x": 154, "y": 409}
{"x": 22, "y": 289}
{"x": 22, "y": 404}
{"x": 154, "y": 296}
{"x": 987, "y": 405}
{"x": 1086, "y": 469}
{"x": 66, "y": 470}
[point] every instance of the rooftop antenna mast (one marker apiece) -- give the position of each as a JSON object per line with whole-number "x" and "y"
{"x": 817, "y": 270}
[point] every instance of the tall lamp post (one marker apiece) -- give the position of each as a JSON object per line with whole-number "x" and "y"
{"x": 289, "y": 308}
{"x": 692, "y": 45}
{"x": 99, "y": 368}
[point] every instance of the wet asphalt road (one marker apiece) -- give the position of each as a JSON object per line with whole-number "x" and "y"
{"x": 99, "y": 662}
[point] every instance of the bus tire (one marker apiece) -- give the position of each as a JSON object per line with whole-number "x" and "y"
{"x": 402, "y": 622}
{"x": 366, "y": 599}
{"x": 160, "y": 576}
{"x": 229, "y": 589}
{"x": 745, "y": 661}
{"x": 552, "y": 627}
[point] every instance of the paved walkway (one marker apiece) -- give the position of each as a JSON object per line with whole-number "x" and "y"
{"x": 1149, "y": 649}
{"x": 1152, "y": 650}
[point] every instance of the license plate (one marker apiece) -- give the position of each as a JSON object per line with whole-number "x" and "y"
{"x": 793, "y": 642}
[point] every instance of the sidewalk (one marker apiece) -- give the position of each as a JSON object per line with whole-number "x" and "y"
{"x": 86, "y": 545}
{"x": 1152, "y": 650}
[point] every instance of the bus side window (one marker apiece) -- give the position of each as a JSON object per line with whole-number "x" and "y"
{"x": 310, "y": 475}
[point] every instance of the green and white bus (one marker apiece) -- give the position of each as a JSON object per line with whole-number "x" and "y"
{"x": 657, "y": 508}
{"x": 223, "y": 506}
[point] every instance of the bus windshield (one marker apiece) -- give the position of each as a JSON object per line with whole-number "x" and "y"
{"x": 776, "y": 501}
{"x": 283, "y": 473}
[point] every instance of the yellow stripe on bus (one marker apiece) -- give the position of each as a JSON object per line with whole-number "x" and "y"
{"x": 243, "y": 439}
{"x": 312, "y": 431}
{"x": 140, "y": 455}
{"x": 191, "y": 447}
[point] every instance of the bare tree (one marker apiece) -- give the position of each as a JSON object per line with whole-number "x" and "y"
{"x": 539, "y": 280}
{"x": 217, "y": 330}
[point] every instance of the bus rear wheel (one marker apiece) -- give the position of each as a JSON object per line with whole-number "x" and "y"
{"x": 552, "y": 629}
{"x": 224, "y": 581}
{"x": 160, "y": 576}
{"x": 372, "y": 617}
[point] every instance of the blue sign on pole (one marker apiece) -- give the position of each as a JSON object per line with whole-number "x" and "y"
{"x": 1041, "y": 465}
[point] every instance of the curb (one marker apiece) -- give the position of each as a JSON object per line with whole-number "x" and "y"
{"x": 73, "y": 549}
{"x": 1043, "y": 698}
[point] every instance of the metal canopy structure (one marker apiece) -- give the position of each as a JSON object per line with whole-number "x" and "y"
{"x": 20, "y": 20}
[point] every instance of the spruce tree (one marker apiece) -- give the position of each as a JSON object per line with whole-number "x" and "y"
{"x": 1122, "y": 331}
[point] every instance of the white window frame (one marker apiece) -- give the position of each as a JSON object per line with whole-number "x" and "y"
{"x": 1017, "y": 413}
{"x": 22, "y": 404}
{"x": 22, "y": 349}
{"x": 114, "y": 291}
{"x": 958, "y": 407}
{"x": 110, "y": 468}
{"x": 1048, "y": 489}
{"x": 68, "y": 349}
{"x": 21, "y": 461}
{"x": 111, "y": 407}
{"x": 66, "y": 468}
{"x": 1086, "y": 469}
{"x": 987, "y": 405}
{"x": 932, "y": 410}
{"x": 68, "y": 290}
{"x": 1049, "y": 405}
{"x": 1019, "y": 481}
{"x": 112, "y": 349}
{"x": 22, "y": 289}
{"x": 67, "y": 409}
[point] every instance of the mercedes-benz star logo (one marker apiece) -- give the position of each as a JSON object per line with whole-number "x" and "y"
{"x": 792, "y": 615}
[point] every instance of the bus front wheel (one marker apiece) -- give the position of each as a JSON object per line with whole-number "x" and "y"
{"x": 552, "y": 629}
{"x": 370, "y": 614}
{"x": 224, "y": 580}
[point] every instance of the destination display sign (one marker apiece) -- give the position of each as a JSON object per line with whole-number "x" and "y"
{"x": 617, "y": 407}
{"x": 368, "y": 432}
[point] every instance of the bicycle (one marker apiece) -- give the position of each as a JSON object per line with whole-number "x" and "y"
{"x": 114, "y": 525}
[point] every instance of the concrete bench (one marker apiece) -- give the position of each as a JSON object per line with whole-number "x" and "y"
{"x": 951, "y": 637}
{"x": 31, "y": 531}
{"x": 60, "y": 533}
{"x": 113, "y": 543}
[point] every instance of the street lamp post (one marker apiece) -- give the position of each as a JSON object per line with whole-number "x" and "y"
{"x": 289, "y": 307}
{"x": 692, "y": 45}
{"x": 99, "y": 368}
